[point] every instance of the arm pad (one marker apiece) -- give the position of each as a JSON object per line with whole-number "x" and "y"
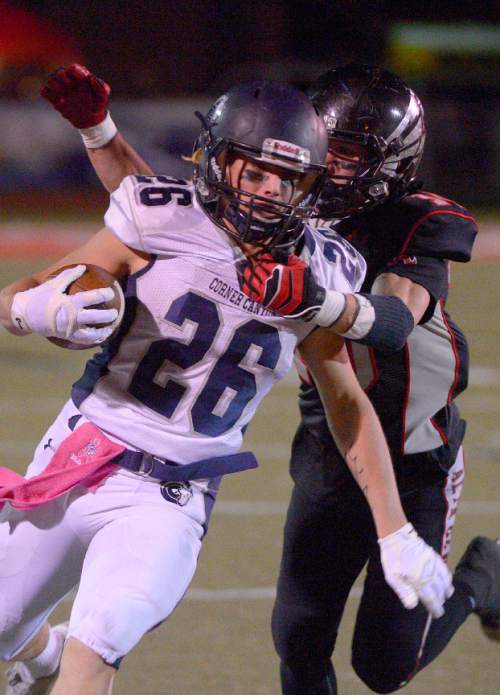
{"x": 383, "y": 322}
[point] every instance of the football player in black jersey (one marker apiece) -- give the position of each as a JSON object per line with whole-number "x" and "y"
{"x": 413, "y": 362}
{"x": 411, "y": 358}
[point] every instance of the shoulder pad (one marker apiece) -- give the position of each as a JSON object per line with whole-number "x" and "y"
{"x": 119, "y": 217}
{"x": 145, "y": 211}
{"x": 436, "y": 227}
{"x": 334, "y": 261}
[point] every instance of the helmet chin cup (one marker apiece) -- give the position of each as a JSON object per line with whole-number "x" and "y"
{"x": 341, "y": 200}
{"x": 281, "y": 233}
{"x": 248, "y": 228}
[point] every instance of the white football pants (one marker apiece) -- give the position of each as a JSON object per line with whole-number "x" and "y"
{"x": 132, "y": 551}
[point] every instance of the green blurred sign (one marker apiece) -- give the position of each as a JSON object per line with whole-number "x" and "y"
{"x": 469, "y": 51}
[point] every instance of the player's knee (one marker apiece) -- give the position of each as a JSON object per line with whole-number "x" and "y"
{"x": 301, "y": 641}
{"x": 283, "y": 637}
{"x": 287, "y": 629}
{"x": 113, "y": 629}
{"x": 385, "y": 649}
{"x": 379, "y": 677}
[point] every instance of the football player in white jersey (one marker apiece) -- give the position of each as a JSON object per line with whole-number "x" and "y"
{"x": 376, "y": 136}
{"x": 159, "y": 414}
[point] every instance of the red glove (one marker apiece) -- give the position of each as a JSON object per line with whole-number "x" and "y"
{"x": 78, "y": 95}
{"x": 290, "y": 290}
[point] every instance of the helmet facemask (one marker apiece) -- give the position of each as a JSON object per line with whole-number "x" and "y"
{"x": 354, "y": 181}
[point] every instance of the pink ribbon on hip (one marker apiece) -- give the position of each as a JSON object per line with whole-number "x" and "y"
{"x": 85, "y": 458}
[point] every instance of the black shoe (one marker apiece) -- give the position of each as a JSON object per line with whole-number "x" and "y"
{"x": 479, "y": 569}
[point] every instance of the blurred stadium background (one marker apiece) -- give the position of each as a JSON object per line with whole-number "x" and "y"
{"x": 163, "y": 60}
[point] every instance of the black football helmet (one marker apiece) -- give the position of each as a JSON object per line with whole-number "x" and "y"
{"x": 274, "y": 126}
{"x": 374, "y": 109}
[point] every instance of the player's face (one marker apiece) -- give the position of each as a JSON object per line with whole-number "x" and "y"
{"x": 343, "y": 160}
{"x": 269, "y": 182}
{"x": 265, "y": 194}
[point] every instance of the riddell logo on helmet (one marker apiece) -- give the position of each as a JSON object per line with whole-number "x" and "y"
{"x": 282, "y": 148}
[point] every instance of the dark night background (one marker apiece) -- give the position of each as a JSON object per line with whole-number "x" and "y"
{"x": 195, "y": 48}
{"x": 179, "y": 47}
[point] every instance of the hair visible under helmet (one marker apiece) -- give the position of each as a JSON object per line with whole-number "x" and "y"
{"x": 271, "y": 124}
{"x": 374, "y": 109}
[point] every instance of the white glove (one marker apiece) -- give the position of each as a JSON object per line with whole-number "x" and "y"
{"x": 47, "y": 310}
{"x": 415, "y": 571}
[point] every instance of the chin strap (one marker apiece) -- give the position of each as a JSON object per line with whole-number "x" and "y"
{"x": 254, "y": 231}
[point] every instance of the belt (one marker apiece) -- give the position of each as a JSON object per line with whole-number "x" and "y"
{"x": 150, "y": 466}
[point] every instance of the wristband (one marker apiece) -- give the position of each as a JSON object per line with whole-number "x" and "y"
{"x": 99, "y": 135}
{"x": 383, "y": 322}
{"x": 331, "y": 309}
{"x": 365, "y": 318}
{"x": 17, "y": 311}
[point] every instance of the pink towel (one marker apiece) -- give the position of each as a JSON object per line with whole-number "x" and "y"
{"x": 83, "y": 458}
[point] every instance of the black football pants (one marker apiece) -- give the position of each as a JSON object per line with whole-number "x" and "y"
{"x": 329, "y": 538}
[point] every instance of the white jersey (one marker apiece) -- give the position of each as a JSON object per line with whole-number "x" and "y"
{"x": 194, "y": 356}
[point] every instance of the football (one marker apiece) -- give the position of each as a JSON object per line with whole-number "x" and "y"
{"x": 93, "y": 278}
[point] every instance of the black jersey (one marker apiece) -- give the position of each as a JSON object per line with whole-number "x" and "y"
{"x": 413, "y": 389}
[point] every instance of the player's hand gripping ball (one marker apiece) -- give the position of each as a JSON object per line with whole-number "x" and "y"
{"x": 94, "y": 277}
